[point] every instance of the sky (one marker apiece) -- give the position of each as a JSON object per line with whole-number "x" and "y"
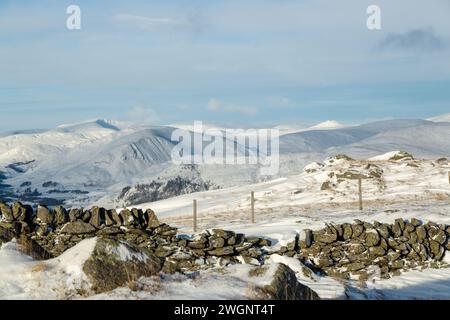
{"x": 254, "y": 62}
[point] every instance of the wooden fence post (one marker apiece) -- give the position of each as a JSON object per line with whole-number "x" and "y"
{"x": 360, "y": 194}
{"x": 194, "y": 207}
{"x": 252, "y": 200}
{"x": 449, "y": 177}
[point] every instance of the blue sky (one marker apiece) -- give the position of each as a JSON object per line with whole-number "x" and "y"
{"x": 229, "y": 62}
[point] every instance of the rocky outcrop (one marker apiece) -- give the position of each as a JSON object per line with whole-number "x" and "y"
{"x": 114, "y": 264}
{"x": 285, "y": 286}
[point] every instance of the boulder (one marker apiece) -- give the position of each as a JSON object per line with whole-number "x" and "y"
{"x": 75, "y": 214}
{"x": 78, "y": 227}
{"x": 44, "y": 216}
{"x": 97, "y": 217}
{"x": 128, "y": 218}
{"x": 216, "y": 242}
{"x": 225, "y": 251}
{"x": 372, "y": 238}
{"x": 21, "y": 212}
{"x": 325, "y": 237}
{"x": 60, "y": 215}
{"x": 151, "y": 219}
{"x": 6, "y": 212}
{"x": 114, "y": 264}
{"x": 285, "y": 286}
{"x": 223, "y": 233}
{"x": 357, "y": 230}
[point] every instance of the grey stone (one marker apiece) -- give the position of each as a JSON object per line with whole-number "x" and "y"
{"x": 107, "y": 268}
{"x": 78, "y": 227}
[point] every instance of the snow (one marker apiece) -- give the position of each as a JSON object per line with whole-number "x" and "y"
{"x": 327, "y": 125}
{"x": 386, "y": 156}
{"x": 441, "y": 118}
{"x": 125, "y": 254}
{"x": 59, "y": 278}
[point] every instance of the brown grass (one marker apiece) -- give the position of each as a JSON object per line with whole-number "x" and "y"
{"x": 39, "y": 267}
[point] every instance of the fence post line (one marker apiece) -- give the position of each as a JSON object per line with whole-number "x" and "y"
{"x": 252, "y": 200}
{"x": 360, "y": 194}
{"x": 194, "y": 208}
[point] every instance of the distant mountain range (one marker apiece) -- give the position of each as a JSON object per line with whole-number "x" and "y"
{"x": 85, "y": 162}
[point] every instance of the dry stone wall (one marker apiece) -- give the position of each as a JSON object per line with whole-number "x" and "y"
{"x": 350, "y": 250}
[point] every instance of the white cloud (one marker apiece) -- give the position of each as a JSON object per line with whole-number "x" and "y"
{"x": 150, "y": 23}
{"x": 217, "y": 105}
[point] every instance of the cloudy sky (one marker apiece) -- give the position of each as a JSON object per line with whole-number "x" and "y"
{"x": 230, "y": 62}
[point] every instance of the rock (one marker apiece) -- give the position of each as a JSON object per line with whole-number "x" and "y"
{"x": 377, "y": 251}
{"x": 291, "y": 246}
{"x": 44, "y": 216}
{"x": 97, "y": 217}
{"x": 437, "y": 250}
{"x": 116, "y": 217}
{"x": 355, "y": 248}
{"x": 384, "y": 231}
{"x": 416, "y": 222}
{"x": 440, "y": 237}
{"x": 308, "y": 238}
{"x": 114, "y": 264}
{"x": 223, "y": 233}
{"x": 164, "y": 251}
{"x": 109, "y": 219}
{"x": 253, "y": 240}
{"x": 356, "y": 266}
{"x": 197, "y": 245}
{"x": 7, "y": 232}
{"x": 6, "y": 212}
{"x": 60, "y": 215}
{"x": 398, "y": 227}
{"x": 127, "y": 217}
{"x": 151, "y": 219}
{"x": 216, "y": 242}
{"x": 248, "y": 260}
{"x": 244, "y": 246}
{"x": 86, "y": 216}
{"x": 285, "y": 286}
{"x": 324, "y": 262}
{"x": 75, "y": 214}
{"x": 110, "y": 231}
{"x": 225, "y": 251}
{"x": 409, "y": 228}
{"x": 372, "y": 238}
{"x": 170, "y": 267}
{"x": 78, "y": 227}
{"x": 22, "y": 212}
{"x": 393, "y": 256}
{"x": 138, "y": 217}
{"x": 357, "y": 229}
{"x": 348, "y": 232}
{"x": 397, "y": 264}
{"x": 325, "y": 237}
{"x": 421, "y": 233}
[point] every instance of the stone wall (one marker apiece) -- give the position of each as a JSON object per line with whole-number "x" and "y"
{"x": 356, "y": 250}
{"x": 51, "y": 232}
{"x": 362, "y": 249}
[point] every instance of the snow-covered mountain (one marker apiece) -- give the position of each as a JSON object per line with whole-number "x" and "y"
{"x": 441, "y": 118}
{"x": 84, "y": 162}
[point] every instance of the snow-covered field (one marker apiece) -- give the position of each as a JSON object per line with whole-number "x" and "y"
{"x": 284, "y": 207}
{"x": 102, "y": 157}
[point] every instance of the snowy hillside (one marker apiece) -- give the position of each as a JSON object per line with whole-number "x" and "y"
{"x": 84, "y": 162}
